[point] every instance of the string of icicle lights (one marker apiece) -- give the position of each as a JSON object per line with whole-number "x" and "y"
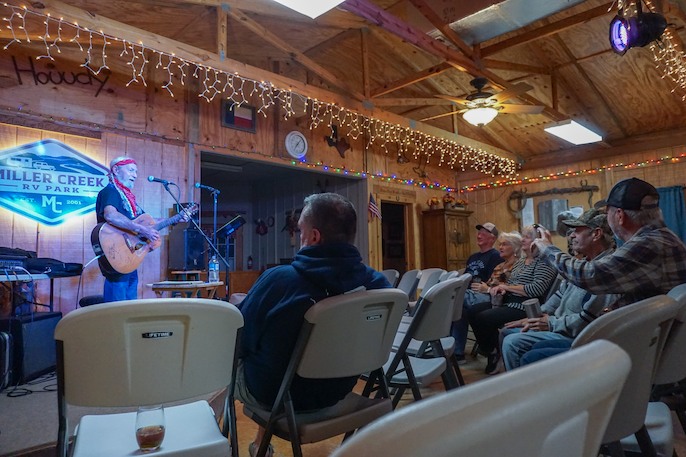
{"x": 97, "y": 47}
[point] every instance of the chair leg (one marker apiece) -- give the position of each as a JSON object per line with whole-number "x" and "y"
{"x": 645, "y": 443}
{"x": 615, "y": 449}
{"x": 458, "y": 372}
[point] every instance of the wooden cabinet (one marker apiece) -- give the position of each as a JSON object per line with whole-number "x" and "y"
{"x": 445, "y": 238}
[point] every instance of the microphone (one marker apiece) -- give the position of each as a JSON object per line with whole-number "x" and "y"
{"x": 202, "y": 186}
{"x": 161, "y": 181}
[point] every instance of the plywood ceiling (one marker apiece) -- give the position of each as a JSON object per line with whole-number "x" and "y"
{"x": 398, "y": 55}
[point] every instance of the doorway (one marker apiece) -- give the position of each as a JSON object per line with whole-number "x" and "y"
{"x": 393, "y": 236}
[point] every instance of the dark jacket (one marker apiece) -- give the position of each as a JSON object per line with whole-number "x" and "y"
{"x": 274, "y": 310}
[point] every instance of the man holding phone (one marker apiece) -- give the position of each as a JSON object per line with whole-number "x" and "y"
{"x": 651, "y": 261}
{"x": 571, "y": 308}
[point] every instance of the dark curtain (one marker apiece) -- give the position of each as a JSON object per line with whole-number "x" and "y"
{"x": 674, "y": 209}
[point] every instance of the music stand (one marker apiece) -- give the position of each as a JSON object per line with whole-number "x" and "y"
{"x": 231, "y": 226}
{"x": 226, "y": 231}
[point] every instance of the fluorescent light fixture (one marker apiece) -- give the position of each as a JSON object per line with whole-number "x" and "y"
{"x": 311, "y": 8}
{"x": 573, "y": 132}
{"x": 480, "y": 116}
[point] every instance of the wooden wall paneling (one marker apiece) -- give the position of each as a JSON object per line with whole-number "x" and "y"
{"x": 156, "y": 201}
{"x": 25, "y": 230}
{"x": 91, "y": 279}
{"x": 8, "y": 139}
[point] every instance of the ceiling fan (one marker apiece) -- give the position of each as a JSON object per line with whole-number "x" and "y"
{"x": 482, "y": 107}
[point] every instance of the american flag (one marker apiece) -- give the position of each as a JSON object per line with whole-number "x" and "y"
{"x": 374, "y": 210}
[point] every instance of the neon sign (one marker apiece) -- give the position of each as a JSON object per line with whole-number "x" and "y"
{"x": 49, "y": 182}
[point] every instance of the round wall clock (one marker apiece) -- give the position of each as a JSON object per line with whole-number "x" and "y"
{"x": 296, "y": 144}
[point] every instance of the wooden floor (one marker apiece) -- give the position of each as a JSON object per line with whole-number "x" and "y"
{"x": 472, "y": 371}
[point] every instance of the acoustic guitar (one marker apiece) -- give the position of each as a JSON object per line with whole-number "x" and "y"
{"x": 121, "y": 251}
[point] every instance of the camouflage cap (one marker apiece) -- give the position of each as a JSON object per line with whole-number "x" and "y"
{"x": 592, "y": 218}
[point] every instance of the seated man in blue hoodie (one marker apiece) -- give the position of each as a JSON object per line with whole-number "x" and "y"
{"x": 327, "y": 264}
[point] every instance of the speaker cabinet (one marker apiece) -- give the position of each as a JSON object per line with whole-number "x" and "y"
{"x": 33, "y": 339}
{"x": 186, "y": 248}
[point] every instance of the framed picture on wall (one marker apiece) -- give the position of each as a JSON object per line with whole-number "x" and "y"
{"x": 238, "y": 117}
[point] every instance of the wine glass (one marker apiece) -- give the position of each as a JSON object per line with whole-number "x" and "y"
{"x": 150, "y": 427}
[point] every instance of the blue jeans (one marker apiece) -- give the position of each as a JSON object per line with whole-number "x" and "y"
{"x": 125, "y": 289}
{"x": 522, "y": 348}
{"x": 460, "y": 328}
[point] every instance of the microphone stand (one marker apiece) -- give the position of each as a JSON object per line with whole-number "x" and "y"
{"x": 195, "y": 224}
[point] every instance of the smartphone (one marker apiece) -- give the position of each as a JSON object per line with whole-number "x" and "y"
{"x": 536, "y": 227}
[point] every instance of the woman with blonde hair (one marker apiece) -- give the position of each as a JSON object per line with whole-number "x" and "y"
{"x": 531, "y": 277}
{"x": 510, "y": 248}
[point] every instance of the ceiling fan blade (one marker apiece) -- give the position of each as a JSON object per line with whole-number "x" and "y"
{"x": 515, "y": 90}
{"x": 521, "y": 109}
{"x": 449, "y": 113}
{"x": 461, "y": 101}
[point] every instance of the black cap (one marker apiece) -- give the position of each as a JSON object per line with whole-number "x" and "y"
{"x": 628, "y": 194}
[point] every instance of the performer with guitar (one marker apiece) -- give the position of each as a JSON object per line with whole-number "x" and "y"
{"x": 116, "y": 205}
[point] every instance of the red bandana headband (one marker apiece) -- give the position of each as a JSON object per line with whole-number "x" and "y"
{"x": 128, "y": 195}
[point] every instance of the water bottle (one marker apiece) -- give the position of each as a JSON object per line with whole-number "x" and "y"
{"x": 213, "y": 270}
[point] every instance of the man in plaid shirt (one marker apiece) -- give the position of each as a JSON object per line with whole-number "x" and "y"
{"x": 651, "y": 261}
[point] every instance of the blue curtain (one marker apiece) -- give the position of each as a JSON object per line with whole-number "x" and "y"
{"x": 674, "y": 209}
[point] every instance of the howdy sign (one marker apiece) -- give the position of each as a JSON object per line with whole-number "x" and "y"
{"x": 49, "y": 182}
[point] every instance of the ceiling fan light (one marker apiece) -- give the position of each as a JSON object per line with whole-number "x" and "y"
{"x": 480, "y": 116}
{"x": 311, "y": 8}
{"x": 573, "y": 132}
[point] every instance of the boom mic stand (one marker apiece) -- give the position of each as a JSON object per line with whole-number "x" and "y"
{"x": 195, "y": 224}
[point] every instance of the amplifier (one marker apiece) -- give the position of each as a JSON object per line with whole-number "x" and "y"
{"x": 33, "y": 340}
{"x": 9, "y": 261}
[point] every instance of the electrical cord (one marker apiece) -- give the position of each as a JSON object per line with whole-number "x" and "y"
{"x": 18, "y": 391}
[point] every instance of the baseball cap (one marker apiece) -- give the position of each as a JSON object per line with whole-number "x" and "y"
{"x": 592, "y": 218}
{"x": 489, "y": 227}
{"x": 628, "y": 194}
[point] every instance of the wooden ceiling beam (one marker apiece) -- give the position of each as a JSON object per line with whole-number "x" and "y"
{"x": 222, "y": 32}
{"x": 598, "y": 94}
{"x": 294, "y": 53}
{"x": 547, "y": 30}
{"x": 192, "y": 54}
{"x": 414, "y": 101}
{"x": 396, "y": 45}
{"x": 442, "y": 27}
{"x": 411, "y": 34}
{"x": 364, "y": 51}
{"x": 412, "y": 79}
{"x": 651, "y": 142}
{"x": 512, "y": 66}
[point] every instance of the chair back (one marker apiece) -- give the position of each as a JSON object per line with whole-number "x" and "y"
{"x": 409, "y": 281}
{"x": 351, "y": 334}
{"x": 553, "y": 288}
{"x": 465, "y": 279}
{"x": 671, "y": 367}
{"x": 640, "y": 329}
{"x": 429, "y": 278}
{"x": 144, "y": 352}
{"x": 434, "y": 313}
{"x": 556, "y": 408}
{"x": 449, "y": 275}
{"x": 392, "y": 276}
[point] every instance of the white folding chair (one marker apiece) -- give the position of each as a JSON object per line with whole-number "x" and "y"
{"x": 345, "y": 335}
{"x": 148, "y": 352}
{"x": 640, "y": 329}
{"x": 557, "y": 408}
{"x": 430, "y": 323}
{"x": 409, "y": 281}
{"x": 393, "y": 276}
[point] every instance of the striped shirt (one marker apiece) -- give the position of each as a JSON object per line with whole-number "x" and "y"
{"x": 651, "y": 262}
{"x": 537, "y": 277}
